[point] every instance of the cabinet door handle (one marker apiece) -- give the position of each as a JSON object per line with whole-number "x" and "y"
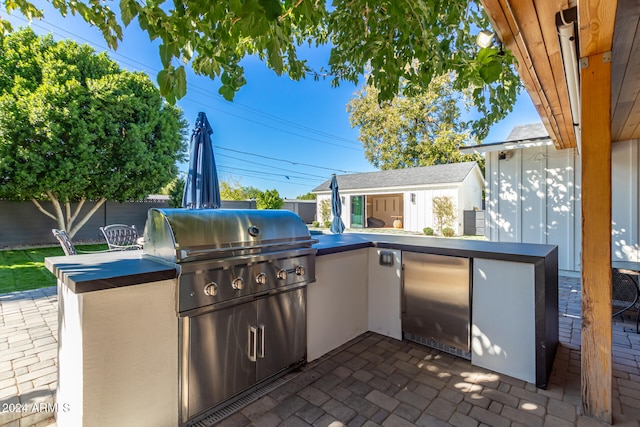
{"x": 261, "y": 348}
{"x": 253, "y": 342}
{"x": 403, "y": 308}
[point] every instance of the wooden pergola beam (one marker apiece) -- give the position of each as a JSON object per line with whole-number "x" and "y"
{"x": 596, "y": 21}
{"x": 596, "y": 239}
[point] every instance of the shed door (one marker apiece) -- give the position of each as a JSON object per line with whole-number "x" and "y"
{"x": 357, "y": 211}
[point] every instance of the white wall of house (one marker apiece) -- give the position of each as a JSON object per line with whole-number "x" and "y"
{"x": 469, "y": 195}
{"x": 418, "y": 214}
{"x": 625, "y": 179}
{"x": 534, "y": 197}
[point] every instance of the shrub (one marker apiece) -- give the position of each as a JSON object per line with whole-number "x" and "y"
{"x": 327, "y": 223}
{"x": 325, "y": 211}
{"x": 444, "y": 212}
{"x": 448, "y": 232}
{"x": 316, "y": 224}
{"x": 428, "y": 231}
{"x": 270, "y": 199}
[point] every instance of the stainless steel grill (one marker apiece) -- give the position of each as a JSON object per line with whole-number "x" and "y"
{"x": 241, "y": 298}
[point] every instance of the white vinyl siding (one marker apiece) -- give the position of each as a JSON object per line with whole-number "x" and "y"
{"x": 534, "y": 197}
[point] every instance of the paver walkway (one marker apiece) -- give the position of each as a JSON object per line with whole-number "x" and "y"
{"x": 28, "y": 356}
{"x": 372, "y": 380}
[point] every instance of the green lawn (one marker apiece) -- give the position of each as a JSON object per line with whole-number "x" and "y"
{"x": 24, "y": 269}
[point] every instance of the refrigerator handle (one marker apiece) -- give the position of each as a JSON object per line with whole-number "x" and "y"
{"x": 253, "y": 341}
{"x": 261, "y": 340}
{"x": 403, "y": 308}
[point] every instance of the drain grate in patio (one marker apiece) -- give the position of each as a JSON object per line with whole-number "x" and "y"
{"x": 220, "y": 414}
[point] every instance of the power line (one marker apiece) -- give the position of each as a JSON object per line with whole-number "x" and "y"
{"x": 268, "y": 125}
{"x": 261, "y": 164}
{"x": 266, "y": 179}
{"x": 268, "y": 116}
{"x": 289, "y": 176}
{"x": 285, "y": 161}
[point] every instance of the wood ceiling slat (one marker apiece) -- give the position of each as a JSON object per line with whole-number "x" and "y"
{"x": 526, "y": 15}
{"x": 504, "y": 24}
{"x": 631, "y": 126}
{"x": 625, "y": 89}
{"x": 626, "y": 24}
{"x": 546, "y": 12}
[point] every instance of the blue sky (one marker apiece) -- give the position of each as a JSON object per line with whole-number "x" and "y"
{"x": 277, "y": 133}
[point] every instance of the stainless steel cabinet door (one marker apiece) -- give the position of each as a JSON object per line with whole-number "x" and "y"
{"x": 436, "y": 294}
{"x": 282, "y": 331}
{"x": 219, "y": 356}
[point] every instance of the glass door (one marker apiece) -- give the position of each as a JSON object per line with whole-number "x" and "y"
{"x": 357, "y": 211}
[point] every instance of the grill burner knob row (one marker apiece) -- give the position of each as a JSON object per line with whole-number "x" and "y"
{"x": 261, "y": 279}
{"x": 238, "y": 283}
{"x": 282, "y": 274}
{"x": 211, "y": 289}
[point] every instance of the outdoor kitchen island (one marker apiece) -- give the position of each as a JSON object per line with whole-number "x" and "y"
{"x": 511, "y": 322}
{"x": 119, "y": 340}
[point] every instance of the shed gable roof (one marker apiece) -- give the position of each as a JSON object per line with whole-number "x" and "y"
{"x": 397, "y": 178}
{"x": 521, "y": 136}
{"x": 525, "y": 132}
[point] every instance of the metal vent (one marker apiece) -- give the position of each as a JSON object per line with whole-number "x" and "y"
{"x": 211, "y": 419}
{"x": 429, "y": 342}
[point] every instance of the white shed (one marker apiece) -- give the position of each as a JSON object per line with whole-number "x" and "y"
{"x": 404, "y": 196}
{"x": 533, "y": 195}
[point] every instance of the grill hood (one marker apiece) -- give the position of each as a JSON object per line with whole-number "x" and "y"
{"x": 181, "y": 235}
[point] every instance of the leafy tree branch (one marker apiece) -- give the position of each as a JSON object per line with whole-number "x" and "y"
{"x": 401, "y": 41}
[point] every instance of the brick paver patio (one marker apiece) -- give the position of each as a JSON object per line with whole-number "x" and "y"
{"x": 372, "y": 380}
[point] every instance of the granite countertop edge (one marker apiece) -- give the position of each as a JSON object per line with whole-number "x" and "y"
{"x": 94, "y": 272}
{"x": 517, "y": 252}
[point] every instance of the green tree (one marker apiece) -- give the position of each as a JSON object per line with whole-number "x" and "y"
{"x": 270, "y": 199}
{"x": 76, "y": 128}
{"x": 411, "y": 41}
{"x": 232, "y": 190}
{"x": 308, "y": 196}
{"x": 176, "y": 192}
{"x": 444, "y": 212}
{"x": 422, "y": 129}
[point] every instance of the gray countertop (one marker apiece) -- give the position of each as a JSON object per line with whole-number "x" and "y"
{"x": 520, "y": 252}
{"x": 92, "y": 272}
{"x": 106, "y": 270}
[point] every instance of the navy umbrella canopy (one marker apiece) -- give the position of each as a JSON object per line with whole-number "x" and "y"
{"x": 337, "y": 226}
{"x": 201, "y": 191}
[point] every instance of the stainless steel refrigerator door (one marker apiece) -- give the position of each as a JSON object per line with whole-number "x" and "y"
{"x": 436, "y": 296}
{"x": 221, "y": 345}
{"x": 282, "y": 331}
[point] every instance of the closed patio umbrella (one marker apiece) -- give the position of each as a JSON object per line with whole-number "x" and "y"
{"x": 201, "y": 191}
{"x": 337, "y": 226}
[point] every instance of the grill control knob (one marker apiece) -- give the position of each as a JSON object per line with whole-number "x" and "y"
{"x": 261, "y": 279}
{"x": 281, "y": 274}
{"x": 211, "y": 289}
{"x": 300, "y": 270}
{"x": 238, "y": 283}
